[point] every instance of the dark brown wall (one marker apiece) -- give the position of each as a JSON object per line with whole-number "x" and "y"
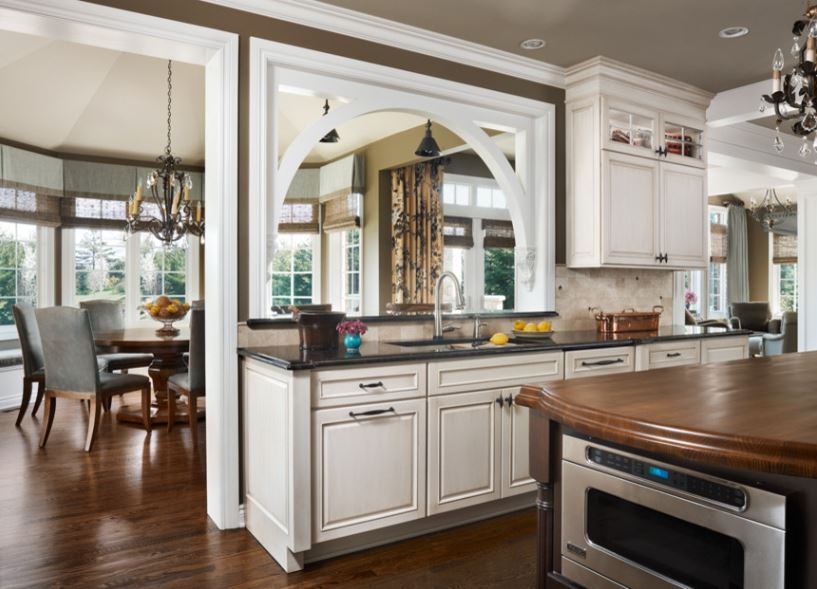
{"x": 248, "y": 25}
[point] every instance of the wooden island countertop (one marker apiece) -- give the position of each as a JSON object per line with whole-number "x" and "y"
{"x": 758, "y": 414}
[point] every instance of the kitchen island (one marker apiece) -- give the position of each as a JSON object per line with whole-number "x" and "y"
{"x": 636, "y": 472}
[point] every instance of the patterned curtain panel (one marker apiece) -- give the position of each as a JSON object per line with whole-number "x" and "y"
{"x": 417, "y": 231}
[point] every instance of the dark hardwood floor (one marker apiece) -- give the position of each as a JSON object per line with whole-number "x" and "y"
{"x": 132, "y": 514}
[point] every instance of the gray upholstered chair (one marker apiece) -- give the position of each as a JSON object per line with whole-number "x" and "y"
{"x": 190, "y": 384}
{"x": 33, "y": 363}
{"x": 756, "y": 316}
{"x": 72, "y": 372}
{"x": 108, "y": 315}
{"x": 785, "y": 341}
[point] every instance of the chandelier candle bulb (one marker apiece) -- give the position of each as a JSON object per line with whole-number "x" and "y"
{"x": 198, "y": 211}
{"x": 776, "y": 84}
{"x": 811, "y": 47}
{"x": 186, "y": 193}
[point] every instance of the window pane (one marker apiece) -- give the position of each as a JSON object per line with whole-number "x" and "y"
{"x": 483, "y": 197}
{"x": 99, "y": 258}
{"x": 302, "y": 285}
{"x": 8, "y": 283}
{"x": 6, "y": 316}
{"x": 27, "y": 283}
{"x": 448, "y": 193}
{"x": 162, "y": 268}
{"x": 499, "y": 199}
{"x": 281, "y": 285}
{"x": 499, "y": 278}
{"x": 463, "y": 194}
{"x": 302, "y": 257}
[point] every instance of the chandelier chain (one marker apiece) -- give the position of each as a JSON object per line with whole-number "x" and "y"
{"x": 169, "y": 103}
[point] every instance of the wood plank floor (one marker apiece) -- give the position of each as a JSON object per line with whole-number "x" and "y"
{"x": 132, "y": 514}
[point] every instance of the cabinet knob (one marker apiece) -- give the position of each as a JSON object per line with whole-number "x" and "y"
{"x": 500, "y": 401}
{"x": 509, "y": 400}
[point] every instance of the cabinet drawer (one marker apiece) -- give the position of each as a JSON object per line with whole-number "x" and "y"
{"x": 724, "y": 349}
{"x": 581, "y": 363}
{"x": 456, "y": 376}
{"x": 666, "y": 355}
{"x": 332, "y": 388}
{"x": 369, "y": 469}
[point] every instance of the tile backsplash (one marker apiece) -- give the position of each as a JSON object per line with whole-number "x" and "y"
{"x": 576, "y": 290}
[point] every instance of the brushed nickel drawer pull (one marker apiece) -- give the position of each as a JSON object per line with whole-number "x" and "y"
{"x": 372, "y": 385}
{"x": 371, "y": 413}
{"x": 673, "y": 354}
{"x": 603, "y": 362}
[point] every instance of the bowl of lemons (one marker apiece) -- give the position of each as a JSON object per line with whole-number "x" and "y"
{"x": 524, "y": 330}
{"x": 167, "y": 311}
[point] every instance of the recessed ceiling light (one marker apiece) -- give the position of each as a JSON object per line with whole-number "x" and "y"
{"x": 733, "y": 32}
{"x": 532, "y": 44}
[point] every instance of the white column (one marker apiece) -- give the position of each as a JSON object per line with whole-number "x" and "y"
{"x": 807, "y": 265}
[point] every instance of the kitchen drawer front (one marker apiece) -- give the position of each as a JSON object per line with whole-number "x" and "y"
{"x": 667, "y": 355}
{"x": 724, "y": 349}
{"x": 368, "y": 471}
{"x": 374, "y": 384}
{"x": 583, "y": 363}
{"x": 458, "y": 376}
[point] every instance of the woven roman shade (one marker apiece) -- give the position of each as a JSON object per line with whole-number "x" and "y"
{"x": 718, "y": 239}
{"x": 31, "y": 185}
{"x": 458, "y": 232}
{"x": 341, "y": 213}
{"x": 498, "y": 233}
{"x": 96, "y": 194}
{"x": 784, "y": 249}
{"x": 342, "y": 177}
{"x": 299, "y": 216}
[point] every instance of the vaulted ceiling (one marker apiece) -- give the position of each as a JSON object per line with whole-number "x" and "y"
{"x": 676, "y": 38}
{"x": 73, "y": 98}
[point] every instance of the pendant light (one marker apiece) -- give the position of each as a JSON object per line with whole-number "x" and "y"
{"x": 428, "y": 146}
{"x": 332, "y": 136}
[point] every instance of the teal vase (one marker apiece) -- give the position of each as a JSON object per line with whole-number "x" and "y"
{"x": 351, "y": 342}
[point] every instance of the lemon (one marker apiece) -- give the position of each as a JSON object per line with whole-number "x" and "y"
{"x": 499, "y": 339}
{"x": 543, "y": 326}
{"x": 519, "y": 325}
{"x": 530, "y": 327}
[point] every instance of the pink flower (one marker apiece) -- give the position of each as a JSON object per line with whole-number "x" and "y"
{"x": 356, "y": 327}
{"x": 690, "y": 298}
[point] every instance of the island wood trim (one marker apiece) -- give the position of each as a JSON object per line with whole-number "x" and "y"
{"x": 757, "y": 414}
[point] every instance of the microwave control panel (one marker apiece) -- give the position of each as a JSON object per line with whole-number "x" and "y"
{"x": 710, "y": 490}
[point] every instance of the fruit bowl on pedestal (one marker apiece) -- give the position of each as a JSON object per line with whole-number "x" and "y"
{"x": 167, "y": 311}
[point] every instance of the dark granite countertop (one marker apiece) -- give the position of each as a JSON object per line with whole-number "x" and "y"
{"x": 292, "y": 358}
{"x": 286, "y": 321}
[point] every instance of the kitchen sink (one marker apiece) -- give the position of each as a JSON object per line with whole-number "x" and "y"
{"x": 417, "y": 343}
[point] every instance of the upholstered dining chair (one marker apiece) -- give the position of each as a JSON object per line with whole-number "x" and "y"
{"x": 33, "y": 363}
{"x": 190, "y": 384}
{"x": 108, "y": 315}
{"x": 72, "y": 372}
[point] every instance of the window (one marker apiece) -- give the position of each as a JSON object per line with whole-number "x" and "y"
{"x": 490, "y": 198}
{"x": 455, "y": 193}
{"x": 18, "y": 268}
{"x": 716, "y": 278}
{"x": 99, "y": 265}
{"x": 162, "y": 270}
{"x": 105, "y": 264}
{"x": 350, "y": 245}
{"x": 292, "y": 270}
{"x": 717, "y": 290}
{"x": 499, "y": 271}
{"x": 783, "y": 273}
{"x": 693, "y": 292}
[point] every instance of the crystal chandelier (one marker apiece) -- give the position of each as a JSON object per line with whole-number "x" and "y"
{"x": 794, "y": 95}
{"x": 169, "y": 214}
{"x": 770, "y": 211}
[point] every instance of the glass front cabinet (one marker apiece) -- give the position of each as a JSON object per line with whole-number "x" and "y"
{"x": 636, "y": 130}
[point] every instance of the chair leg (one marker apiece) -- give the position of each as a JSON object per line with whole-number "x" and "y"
{"x": 192, "y": 409}
{"x": 146, "y": 407}
{"x": 24, "y": 401}
{"x": 93, "y": 423}
{"x": 106, "y": 404}
{"x": 38, "y": 400}
{"x": 171, "y": 408}
{"x": 48, "y": 417}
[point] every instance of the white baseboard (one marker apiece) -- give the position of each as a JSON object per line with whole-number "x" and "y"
{"x": 11, "y": 387}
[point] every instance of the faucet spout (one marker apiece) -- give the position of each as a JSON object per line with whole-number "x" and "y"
{"x": 438, "y": 300}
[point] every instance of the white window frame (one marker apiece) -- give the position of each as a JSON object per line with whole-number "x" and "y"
{"x": 316, "y": 269}
{"x": 132, "y": 270}
{"x": 774, "y": 282}
{"x": 344, "y": 246}
{"x": 45, "y": 275}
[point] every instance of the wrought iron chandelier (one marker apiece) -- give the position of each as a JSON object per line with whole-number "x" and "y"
{"x": 169, "y": 214}
{"x": 794, "y": 95}
{"x": 771, "y": 211}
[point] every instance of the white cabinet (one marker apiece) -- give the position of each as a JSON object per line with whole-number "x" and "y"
{"x": 636, "y": 159}
{"x": 667, "y": 354}
{"x": 516, "y": 477}
{"x": 629, "y": 210}
{"x": 724, "y": 349}
{"x": 595, "y": 362}
{"x": 463, "y": 449}
{"x": 369, "y": 466}
{"x": 683, "y": 216}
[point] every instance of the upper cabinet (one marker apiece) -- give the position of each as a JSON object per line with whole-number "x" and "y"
{"x": 636, "y": 169}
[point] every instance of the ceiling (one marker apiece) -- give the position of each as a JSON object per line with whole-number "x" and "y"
{"x": 677, "y": 39}
{"x": 73, "y": 98}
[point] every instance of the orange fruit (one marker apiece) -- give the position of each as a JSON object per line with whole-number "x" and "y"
{"x": 163, "y": 301}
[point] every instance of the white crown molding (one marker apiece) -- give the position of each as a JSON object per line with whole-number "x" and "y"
{"x": 352, "y": 23}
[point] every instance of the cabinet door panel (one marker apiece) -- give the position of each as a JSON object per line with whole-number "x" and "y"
{"x": 724, "y": 349}
{"x": 516, "y": 477}
{"x": 463, "y": 450}
{"x": 369, "y": 470}
{"x": 683, "y": 216}
{"x": 629, "y": 210}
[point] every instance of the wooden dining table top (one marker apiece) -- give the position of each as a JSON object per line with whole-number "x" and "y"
{"x": 143, "y": 338}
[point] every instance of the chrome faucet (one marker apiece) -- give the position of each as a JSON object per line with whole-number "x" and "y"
{"x": 438, "y": 301}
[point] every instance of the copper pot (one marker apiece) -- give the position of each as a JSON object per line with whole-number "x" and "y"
{"x": 627, "y": 320}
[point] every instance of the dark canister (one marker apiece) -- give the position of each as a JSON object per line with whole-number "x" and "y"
{"x": 318, "y": 330}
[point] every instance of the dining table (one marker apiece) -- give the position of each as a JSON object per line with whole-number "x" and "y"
{"x": 168, "y": 359}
